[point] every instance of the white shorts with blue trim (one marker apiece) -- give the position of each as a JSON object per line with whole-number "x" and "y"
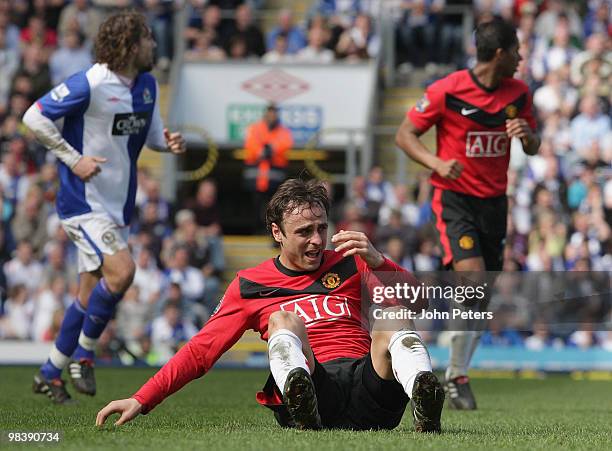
{"x": 95, "y": 234}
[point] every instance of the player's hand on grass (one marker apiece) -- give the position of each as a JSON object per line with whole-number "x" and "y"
{"x": 127, "y": 408}
{"x": 449, "y": 169}
{"x": 357, "y": 243}
{"x": 175, "y": 141}
{"x": 87, "y": 167}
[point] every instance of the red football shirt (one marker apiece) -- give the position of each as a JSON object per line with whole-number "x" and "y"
{"x": 470, "y": 123}
{"x": 328, "y": 300}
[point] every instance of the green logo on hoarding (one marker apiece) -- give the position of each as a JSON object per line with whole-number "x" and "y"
{"x": 239, "y": 117}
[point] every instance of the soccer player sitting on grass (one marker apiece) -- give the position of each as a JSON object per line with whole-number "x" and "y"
{"x": 327, "y": 369}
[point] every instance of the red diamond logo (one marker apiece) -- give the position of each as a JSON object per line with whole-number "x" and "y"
{"x": 275, "y": 86}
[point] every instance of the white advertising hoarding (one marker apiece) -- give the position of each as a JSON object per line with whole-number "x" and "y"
{"x": 223, "y": 98}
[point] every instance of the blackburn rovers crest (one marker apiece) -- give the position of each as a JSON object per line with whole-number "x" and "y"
{"x": 330, "y": 280}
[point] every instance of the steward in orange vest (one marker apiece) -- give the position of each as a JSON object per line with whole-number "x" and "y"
{"x": 267, "y": 143}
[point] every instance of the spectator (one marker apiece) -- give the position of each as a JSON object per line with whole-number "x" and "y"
{"x": 9, "y": 62}
{"x": 280, "y": 52}
{"x": 169, "y": 332}
{"x": 295, "y": 37}
{"x": 209, "y": 21}
{"x": 395, "y": 250}
{"x": 38, "y": 33}
{"x": 359, "y": 40}
{"x": 595, "y": 59}
{"x": 205, "y": 208}
{"x": 203, "y": 48}
{"x": 159, "y": 17}
{"x": 18, "y": 310}
{"x": 148, "y": 278}
{"x": 315, "y": 51}
{"x": 24, "y": 269}
{"x": 152, "y": 196}
{"x": 546, "y": 23}
{"x": 11, "y": 31}
{"x": 34, "y": 66}
{"x": 590, "y": 125}
{"x": 80, "y": 16}
{"x": 542, "y": 338}
{"x": 13, "y": 180}
{"x": 556, "y": 55}
{"x": 132, "y": 319}
{"x": 30, "y": 222}
{"x": 597, "y": 19}
{"x": 354, "y": 218}
{"x": 190, "y": 279}
{"x": 416, "y": 31}
{"x": 51, "y": 300}
{"x": 249, "y": 31}
{"x": 71, "y": 57}
{"x": 56, "y": 265}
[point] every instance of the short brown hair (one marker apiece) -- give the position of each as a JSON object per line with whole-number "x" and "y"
{"x": 116, "y": 37}
{"x": 292, "y": 194}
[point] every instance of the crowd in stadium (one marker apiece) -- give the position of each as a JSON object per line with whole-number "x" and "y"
{"x": 561, "y": 199}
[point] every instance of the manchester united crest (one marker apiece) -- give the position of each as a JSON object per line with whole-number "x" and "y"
{"x": 330, "y": 280}
{"x": 466, "y": 242}
{"x": 511, "y": 111}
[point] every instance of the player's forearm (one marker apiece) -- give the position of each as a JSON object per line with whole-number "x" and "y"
{"x": 181, "y": 369}
{"x": 47, "y": 133}
{"x": 412, "y": 146}
{"x": 531, "y": 144}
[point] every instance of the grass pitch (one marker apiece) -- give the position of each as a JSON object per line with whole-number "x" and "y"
{"x": 219, "y": 412}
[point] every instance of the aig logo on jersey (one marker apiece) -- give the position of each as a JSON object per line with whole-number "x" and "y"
{"x": 315, "y": 308}
{"x": 130, "y": 123}
{"x": 486, "y": 144}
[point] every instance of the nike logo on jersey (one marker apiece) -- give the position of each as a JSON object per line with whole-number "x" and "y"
{"x": 468, "y": 111}
{"x": 264, "y": 293}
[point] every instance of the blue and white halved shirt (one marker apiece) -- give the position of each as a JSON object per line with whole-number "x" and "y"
{"x": 104, "y": 117}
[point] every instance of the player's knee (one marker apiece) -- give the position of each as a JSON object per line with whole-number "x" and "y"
{"x": 380, "y": 342}
{"x": 285, "y": 320}
{"x": 120, "y": 279}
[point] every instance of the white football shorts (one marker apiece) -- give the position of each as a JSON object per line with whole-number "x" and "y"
{"x": 95, "y": 234}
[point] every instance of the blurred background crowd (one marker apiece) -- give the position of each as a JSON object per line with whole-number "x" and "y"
{"x": 560, "y": 200}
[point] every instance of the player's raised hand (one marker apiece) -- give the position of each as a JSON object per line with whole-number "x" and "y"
{"x": 128, "y": 408}
{"x": 87, "y": 167}
{"x": 175, "y": 141}
{"x": 449, "y": 169}
{"x": 357, "y": 243}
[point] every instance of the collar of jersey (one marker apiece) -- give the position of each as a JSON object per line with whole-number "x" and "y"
{"x": 480, "y": 85}
{"x": 292, "y": 273}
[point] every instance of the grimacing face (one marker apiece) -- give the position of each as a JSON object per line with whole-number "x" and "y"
{"x": 304, "y": 237}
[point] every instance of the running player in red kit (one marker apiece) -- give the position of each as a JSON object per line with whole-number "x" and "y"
{"x": 477, "y": 113}
{"x": 327, "y": 370}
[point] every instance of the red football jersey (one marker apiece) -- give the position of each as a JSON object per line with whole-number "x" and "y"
{"x": 470, "y": 123}
{"x": 331, "y": 294}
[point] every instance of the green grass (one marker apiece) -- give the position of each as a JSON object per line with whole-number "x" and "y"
{"x": 219, "y": 412}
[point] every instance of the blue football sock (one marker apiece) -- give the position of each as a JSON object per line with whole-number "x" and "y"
{"x": 100, "y": 310}
{"x": 66, "y": 341}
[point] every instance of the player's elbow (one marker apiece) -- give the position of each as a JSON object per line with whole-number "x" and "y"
{"x": 31, "y": 116}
